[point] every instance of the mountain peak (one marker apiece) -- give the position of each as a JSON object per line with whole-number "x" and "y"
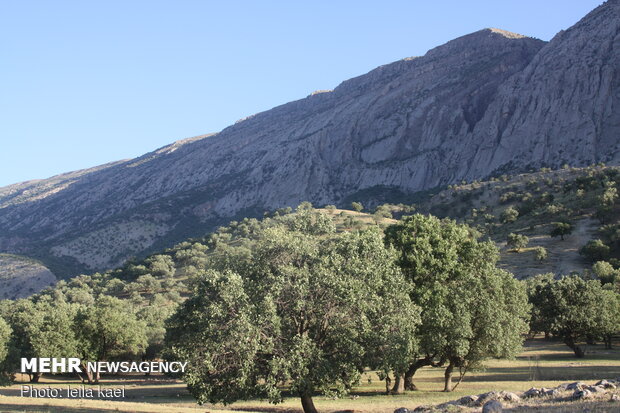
{"x": 488, "y": 102}
{"x": 505, "y": 33}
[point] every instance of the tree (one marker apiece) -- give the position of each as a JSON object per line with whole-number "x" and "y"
{"x": 541, "y": 253}
{"x": 41, "y": 329}
{"x": 605, "y": 272}
{"x": 539, "y": 297}
{"x": 517, "y": 241}
{"x": 383, "y": 211}
{"x": 508, "y": 215}
{"x": 154, "y": 316}
{"x": 161, "y": 266}
{"x": 560, "y": 229}
{"x": 357, "y": 206}
{"x": 609, "y": 317}
{"x": 461, "y": 292}
{"x": 6, "y": 374}
{"x": 595, "y": 250}
{"x": 106, "y": 329}
{"x": 308, "y": 311}
{"x": 574, "y": 308}
{"x": 609, "y": 196}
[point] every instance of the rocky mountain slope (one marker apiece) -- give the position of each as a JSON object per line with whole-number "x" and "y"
{"x": 481, "y": 104}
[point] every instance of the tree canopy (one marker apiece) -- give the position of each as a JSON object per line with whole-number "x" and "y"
{"x": 306, "y": 310}
{"x": 471, "y": 310}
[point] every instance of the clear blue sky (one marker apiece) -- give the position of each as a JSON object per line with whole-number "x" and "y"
{"x": 87, "y": 82}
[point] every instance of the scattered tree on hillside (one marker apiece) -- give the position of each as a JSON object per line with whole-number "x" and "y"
{"x": 595, "y": 250}
{"x": 561, "y": 229}
{"x": 605, "y": 272}
{"x": 517, "y": 241}
{"x": 508, "y": 215}
{"x": 357, "y": 206}
{"x": 541, "y": 253}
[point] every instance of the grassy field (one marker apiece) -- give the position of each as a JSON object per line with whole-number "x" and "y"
{"x": 542, "y": 364}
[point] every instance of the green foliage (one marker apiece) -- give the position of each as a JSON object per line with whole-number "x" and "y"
{"x": 609, "y": 316}
{"x": 383, "y": 211}
{"x": 508, "y": 215}
{"x": 107, "y": 329}
{"x": 576, "y": 310}
{"x": 605, "y": 272}
{"x": 539, "y": 296}
{"x": 5, "y": 338}
{"x": 541, "y": 253}
{"x": 470, "y": 309}
{"x": 161, "y": 266}
{"x": 305, "y": 310}
{"x": 517, "y": 241}
{"x": 595, "y": 250}
{"x": 39, "y": 329}
{"x": 561, "y": 229}
{"x": 357, "y": 206}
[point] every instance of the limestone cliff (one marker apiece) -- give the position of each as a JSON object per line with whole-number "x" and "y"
{"x": 481, "y": 104}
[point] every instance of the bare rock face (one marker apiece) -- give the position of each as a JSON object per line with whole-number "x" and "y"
{"x": 21, "y": 277}
{"x": 564, "y": 107}
{"x": 476, "y": 106}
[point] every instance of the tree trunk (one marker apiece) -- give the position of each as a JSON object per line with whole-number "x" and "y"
{"x": 448, "y": 378}
{"x": 579, "y": 352}
{"x": 427, "y": 361}
{"x": 308, "y": 404}
{"x": 607, "y": 341}
{"x": 409, "y": 385}
{"x": 398, "y": 387}
{"x": 34, "y": 377}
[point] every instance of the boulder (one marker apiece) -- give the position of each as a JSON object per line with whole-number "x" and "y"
{"x": 509, "y": 397}
{"x": 467, "y": 400}
{"x": 596, "y": 389}
{"x": 606, "y": 384}
{"x": 551, "y": 392}
{"x": 582, "y": 394}
{"x": 576, "y": 386}
{"x": 401, "y": 410}
{"x": 614, "y": 398}
{"x": 492, "y": 406}
{"x": 447, "y": 405}
{"x": 533, "y": 392}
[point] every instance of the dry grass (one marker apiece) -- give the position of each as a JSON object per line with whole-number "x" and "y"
{"x": 542, "y": 364}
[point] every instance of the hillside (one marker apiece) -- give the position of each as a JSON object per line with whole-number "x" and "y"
{"x": 483, "y": 104}
{"x": 541, "y": 199}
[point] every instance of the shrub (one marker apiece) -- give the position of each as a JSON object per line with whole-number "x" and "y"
{"x": 541, "y": 253}
{"x": 509, "y": 215}
{"x": 595, "y": 250}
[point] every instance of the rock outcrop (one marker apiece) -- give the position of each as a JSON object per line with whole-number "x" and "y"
{"x": 481, "y": 104}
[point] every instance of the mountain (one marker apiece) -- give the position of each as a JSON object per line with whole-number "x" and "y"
{"x": 484, "y": 103}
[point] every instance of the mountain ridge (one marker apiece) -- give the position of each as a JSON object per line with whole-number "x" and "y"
{"x": 459, "y": 112}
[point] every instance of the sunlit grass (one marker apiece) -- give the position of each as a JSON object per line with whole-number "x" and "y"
{"x": 542, "y": 364}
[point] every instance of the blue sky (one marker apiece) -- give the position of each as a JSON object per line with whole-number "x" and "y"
{"x": 87, "y": 82}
